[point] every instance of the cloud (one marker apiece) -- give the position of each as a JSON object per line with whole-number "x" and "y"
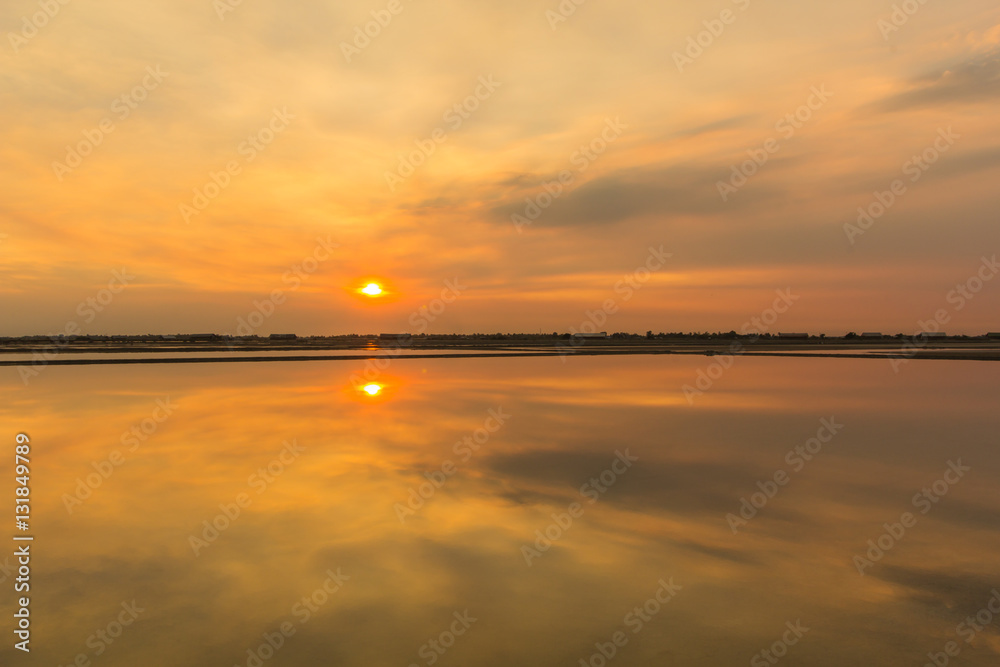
{"x": 974, "y": 81}
{"x": 981, "y": 160}
{"x": 715, "y": 126}
{"x": 627, "y": 194}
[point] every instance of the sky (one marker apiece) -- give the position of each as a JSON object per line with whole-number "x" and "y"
{"x": 245, "y": 167}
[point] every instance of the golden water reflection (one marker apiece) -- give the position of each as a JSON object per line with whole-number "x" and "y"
{"x": 251, "y": 498}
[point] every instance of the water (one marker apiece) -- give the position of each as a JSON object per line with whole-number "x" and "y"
{"x": 343, "y": 465}
{"x": 389, "y": 353}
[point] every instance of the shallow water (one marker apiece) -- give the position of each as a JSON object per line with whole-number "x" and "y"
{"x": 389, "y": 353}
{"x": 336, "y": 505}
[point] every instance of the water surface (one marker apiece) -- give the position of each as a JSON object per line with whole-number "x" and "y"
{"x": 333, "y": 512}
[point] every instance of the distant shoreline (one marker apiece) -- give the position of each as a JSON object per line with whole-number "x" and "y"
{"x": 57, "y": 352}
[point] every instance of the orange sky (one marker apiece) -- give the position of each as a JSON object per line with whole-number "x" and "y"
{"x": 300, "y": 121}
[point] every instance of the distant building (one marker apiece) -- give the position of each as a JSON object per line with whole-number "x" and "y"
{"x": 935, "y": 334}
{"x": 793, "y": 335}
{"x": 599, "y": 334}
{"x": 395, "y": 336}
{"x": 993, "y": 334}
{"x": 282, "y": 337}
{"x": 871, "y": 334}
{"x": 198, "y": 338}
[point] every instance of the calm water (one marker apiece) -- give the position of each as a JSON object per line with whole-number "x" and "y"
{"x": 337, "y": 559}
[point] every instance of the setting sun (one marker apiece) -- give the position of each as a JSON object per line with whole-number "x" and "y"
{"x": 372, "y": 289}
{"x": 373, "y": 389}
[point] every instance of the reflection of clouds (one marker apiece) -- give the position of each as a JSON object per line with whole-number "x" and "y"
{"x": 334, "y": 508}
{"x": 683, "y": 487}
{"x": 960, "y": 593}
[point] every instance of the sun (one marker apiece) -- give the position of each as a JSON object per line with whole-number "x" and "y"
{"x": 372, "y": 389}
{"x": 373, "y": 289}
